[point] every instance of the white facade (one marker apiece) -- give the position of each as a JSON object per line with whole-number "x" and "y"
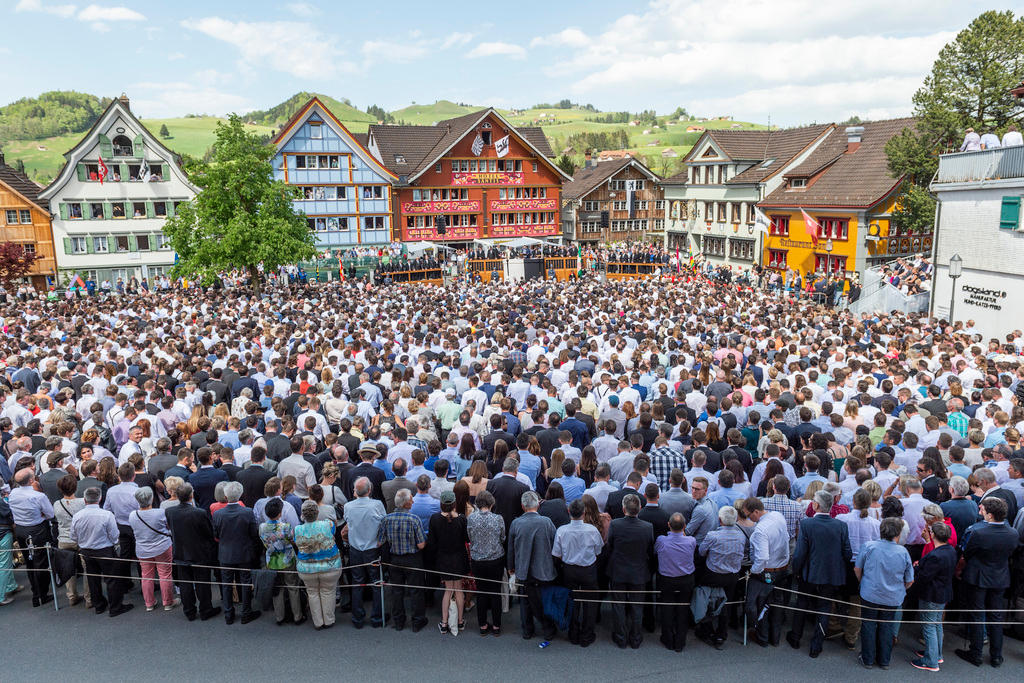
{"x": 714, "y": 218}
{"x": 980, "y": 218}
{"x": 113, "y": 230}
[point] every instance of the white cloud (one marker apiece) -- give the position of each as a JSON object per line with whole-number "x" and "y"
{"x": 172, "y": 99}
{"x": 750, "y": 55}
{"x": 99, "y": 27}
{"x": 175, "y": 56}
{"x": 296, "y": 48}
{"x": 394, "y": 51}
{"x": 302, "y": 9}
{"x": 64, "y": 11}
{"x": 95, "y": 13}
{"x": 455, "y": 39}
{"x": 497, "y": 49}
{"x": 570, "y": 37}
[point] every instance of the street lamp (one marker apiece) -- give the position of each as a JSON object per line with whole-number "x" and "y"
{"x": 828, "y": 258}
{"x": 956, "y": 268}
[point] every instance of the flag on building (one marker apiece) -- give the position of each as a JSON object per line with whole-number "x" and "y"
{"x": 761, "y": 222}
{"x": 630, "y": 204}
{"x": 478, "y": 145}
{"x": 812, "y": 227}
{"x": 101, "y": 170}
{"x": 144, "y": 173}
{"x": 501, "y": 147}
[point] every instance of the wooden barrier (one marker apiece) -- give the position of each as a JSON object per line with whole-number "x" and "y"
{"x": 487, "y": 268}
{"x": 562, "y": 268}
{"x": 430, "y": 276}
{"x": 632, "y": 271}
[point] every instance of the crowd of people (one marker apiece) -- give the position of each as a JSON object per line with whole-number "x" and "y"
{"x": 677, "y": 457}
{"x": 909, "y": 275}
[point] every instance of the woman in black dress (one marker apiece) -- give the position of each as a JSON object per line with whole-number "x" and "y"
{"x": 448, "y": 538}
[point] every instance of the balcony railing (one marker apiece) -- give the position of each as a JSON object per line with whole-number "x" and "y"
{"x": 989, "y": 164}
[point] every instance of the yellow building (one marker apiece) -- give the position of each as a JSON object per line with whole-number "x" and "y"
{"x": 846, "y": 188}
{"x": 25, "y": 221}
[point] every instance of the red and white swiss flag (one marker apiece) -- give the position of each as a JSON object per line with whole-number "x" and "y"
{"x": 812, "y": 226}
{"x": 102, "y": 170}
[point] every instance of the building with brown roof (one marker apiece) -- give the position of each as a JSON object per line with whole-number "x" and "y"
{"x": 710, "y": 205}
{"x": 614, "y": 201}
{"x": 471, "y": 177}
{"x": 25, "y": 220}
{"x": 846, "y": 188}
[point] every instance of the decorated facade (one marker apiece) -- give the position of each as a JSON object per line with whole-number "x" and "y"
{"x": 614, "y": 201}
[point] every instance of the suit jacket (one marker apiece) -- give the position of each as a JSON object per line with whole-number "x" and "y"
{"x": 630, "y": 550}
{"x": 487, "y": 443}
{"x": 278, "y": 447}
{"x": 934, "y": 488}
{"x": 364, "y": 469}
{"x": 231, "y": 469}
{"x": 548, "y": 439}
{"x": 508, "y": 493}
{"x": 237, "y": 535}
{"x": 192, "y": 534}
{"x": 390, "y": 488}
{"x": 204, "y": 481}
{"x": 1008, "y": 498}
{"x": 48, "y": 483}
{"x": 253, "y": 478}
{"x": 219, "y": 390}
{"x": 657, "y": 516}
{"x": 613, "y": 506}
{"x": 160, "y": 463}
{"x": 530, "y": 539}
{"x": 822, "y": 552}
{"x": 243, "y": 383}
{"x": 987, "y": 552}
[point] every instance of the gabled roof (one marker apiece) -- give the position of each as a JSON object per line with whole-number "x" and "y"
{"x": 317, "y": 108}
{"x": 422, "y": 146}
{"x": 587, "y": 180}
{"x": 781, "y": 148}
{"x": 847, "y": 179}
{"x": 117, "y": 107}
{"x": 20, "y": 184}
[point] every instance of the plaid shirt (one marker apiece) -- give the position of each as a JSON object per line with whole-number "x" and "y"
{"x": 403, "y": 531}
{"x": 790, "y": 509}
{"x": 518, "y": 357}
{"x": 418, "y": 443}
{"x": 663, "y": 461}
{"x": 958, "y": 422}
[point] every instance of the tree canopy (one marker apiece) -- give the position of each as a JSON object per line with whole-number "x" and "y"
{"x": 242, "y": 217}
{"x": 52, "y": 113}
{"x": 15, "y": 262}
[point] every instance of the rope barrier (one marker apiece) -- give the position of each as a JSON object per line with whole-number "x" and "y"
{"x": 885, "y": 609}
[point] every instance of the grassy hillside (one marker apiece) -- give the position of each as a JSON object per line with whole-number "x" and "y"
{"x": 193, "y": 135}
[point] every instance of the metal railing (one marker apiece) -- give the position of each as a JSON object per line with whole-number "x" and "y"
{"x": 879, "y": 295}
{"x": 989, "y": 164}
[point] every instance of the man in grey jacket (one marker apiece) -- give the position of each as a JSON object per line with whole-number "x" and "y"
{"x": 530, "y": 539}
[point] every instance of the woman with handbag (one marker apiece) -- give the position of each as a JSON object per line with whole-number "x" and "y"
{"x": 153, "y": 549}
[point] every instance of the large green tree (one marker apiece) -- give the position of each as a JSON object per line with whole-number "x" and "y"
{"x": 242, "y": 218}
{"x": 970, "y": 81}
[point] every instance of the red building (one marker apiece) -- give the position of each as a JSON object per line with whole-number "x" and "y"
{"x": 472, "y": 177}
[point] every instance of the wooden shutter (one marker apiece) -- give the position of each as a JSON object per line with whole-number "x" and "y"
{"x": 108, "y": 210}
{"x": 1009, "y": 213}
{"x": 150, "y": 211}
{"x": 132, "y": 245}
{"x": 111, "y": 244}
{"x": 63, "y": 211}
{"x": 138, "y": 148}
{"x": 82, "y": 173}
{"x": 90, "y": 248}
{"x": 67, "y": 245}
{"x": 106, "y": 149}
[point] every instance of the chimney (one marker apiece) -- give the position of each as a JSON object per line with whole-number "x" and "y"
{"x": 587, "y": 160}
{"x": 853, "y": 137}
{"x": 123, "y": 99}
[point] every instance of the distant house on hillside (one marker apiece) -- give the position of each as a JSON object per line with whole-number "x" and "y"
{"x": 695, "y": 129}
{"x": 614, "y": 154}
{"x": 669, "y": 153}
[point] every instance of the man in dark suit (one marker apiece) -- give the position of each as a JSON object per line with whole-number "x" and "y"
{"x": 652, "y": 512}
{"x": 392, "y": 486}
{"x": 194, "y": 544}
{"x": 279, "y": 445}
{"x": 987, "y": 551}
{"x": 932, "y": 488}
{"x": 613, "y": 506}
{"x": 820, "y": 561}
{"x": 205, "y": 479}
{"x": 346, "y": 439}
{"x": 548, "y": 438}
{"x": 987, "y": 487}
{"x": 244, "y": 382}
{"x": 238, "y": 534}
{"x": 227, "y": 463}
{"x": 254, "y": 477}
{"x": 630, "y": 550}
{"x": 366, "y": 469}
{"x": 575, "y": 426}
{"x": 497, "y": 434}
{"x": 508, "y": 492}
{"x": 217, "y": 387}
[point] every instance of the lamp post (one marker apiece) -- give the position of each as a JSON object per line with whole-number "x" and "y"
{"x": 828, "y": 258}
{"x": 956, "y": 267}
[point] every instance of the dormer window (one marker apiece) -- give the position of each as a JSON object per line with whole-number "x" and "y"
{"x": 122, "y": 146}
{"x": 796, "y": 183}
{"x": 399, "y": 158}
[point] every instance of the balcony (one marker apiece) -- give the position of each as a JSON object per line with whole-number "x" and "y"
{"x": 986, "y": 165}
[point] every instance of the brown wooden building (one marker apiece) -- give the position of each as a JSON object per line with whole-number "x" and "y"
{"x": 468, "y": 178}
{"x": 614, "y": 201}
{"x": 25, "y": 221}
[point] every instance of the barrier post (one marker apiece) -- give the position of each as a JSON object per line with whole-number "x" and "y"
{"x": 383, "y": 610}
{"x": 53, "y": 581}
{"x": 746, "y": 585}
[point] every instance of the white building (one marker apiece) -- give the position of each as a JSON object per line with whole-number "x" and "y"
{"x": 112, "y": 230}
{"x": 710, "y": 205}
{"x": 980, "y": 218}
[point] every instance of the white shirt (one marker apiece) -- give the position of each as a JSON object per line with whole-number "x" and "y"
{"x": 769, "y": 543}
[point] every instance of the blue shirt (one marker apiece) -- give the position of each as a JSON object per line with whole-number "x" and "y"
{"x": 886, "y": 568}
{"x": 801, "y": 483}
{"x": 572, "y": 486}
{"x": 529, "y": 465}
{"x": 723, "y": 497}
{"x": 423, "y": 506}
{"x": 385, "y": 467}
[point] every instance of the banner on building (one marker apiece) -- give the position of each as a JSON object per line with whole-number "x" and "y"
{"x": 761, "y": 222}
{"x": 144, "y": 173}
{"x": 478, "y": 145}
{"x": 501, "y": 147}
{"x": 630, "y": 203}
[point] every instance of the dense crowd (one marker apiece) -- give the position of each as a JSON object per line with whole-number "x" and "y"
{"x": 681, "y": 453}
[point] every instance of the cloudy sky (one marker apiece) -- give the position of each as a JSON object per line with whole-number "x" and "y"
{"x": 795, "y": 61}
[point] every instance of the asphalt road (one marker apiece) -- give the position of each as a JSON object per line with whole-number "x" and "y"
{"x": 74, "y": 643}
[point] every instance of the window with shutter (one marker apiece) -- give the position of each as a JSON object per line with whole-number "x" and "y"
{"x": 82, "y": 172}
{"x": 106, "y": 148}
{"x": 63, "y": 213}
{"x": 1009, "y": 213}
{"x": 138, "y": 147}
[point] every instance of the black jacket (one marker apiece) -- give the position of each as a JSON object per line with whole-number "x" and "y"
{"x": 192, "y": 535}
{"x": 368, "y": 470}
{"x": 657, "y": 517}
{"x": 933, "y": 578}
{"x": 237, "y": 535}
{"x": 508, "y": 493}
{"x": 613, "y": 506}
{"x": 630, "y": 550}
{"x": 253, "y": 478}
{"x": 987, "y": 552}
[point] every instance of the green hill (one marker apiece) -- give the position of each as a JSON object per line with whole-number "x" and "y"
{"x": 429, "y": 114}
{"x": 281, "y": 113}
{"x": 52, "y": 113}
